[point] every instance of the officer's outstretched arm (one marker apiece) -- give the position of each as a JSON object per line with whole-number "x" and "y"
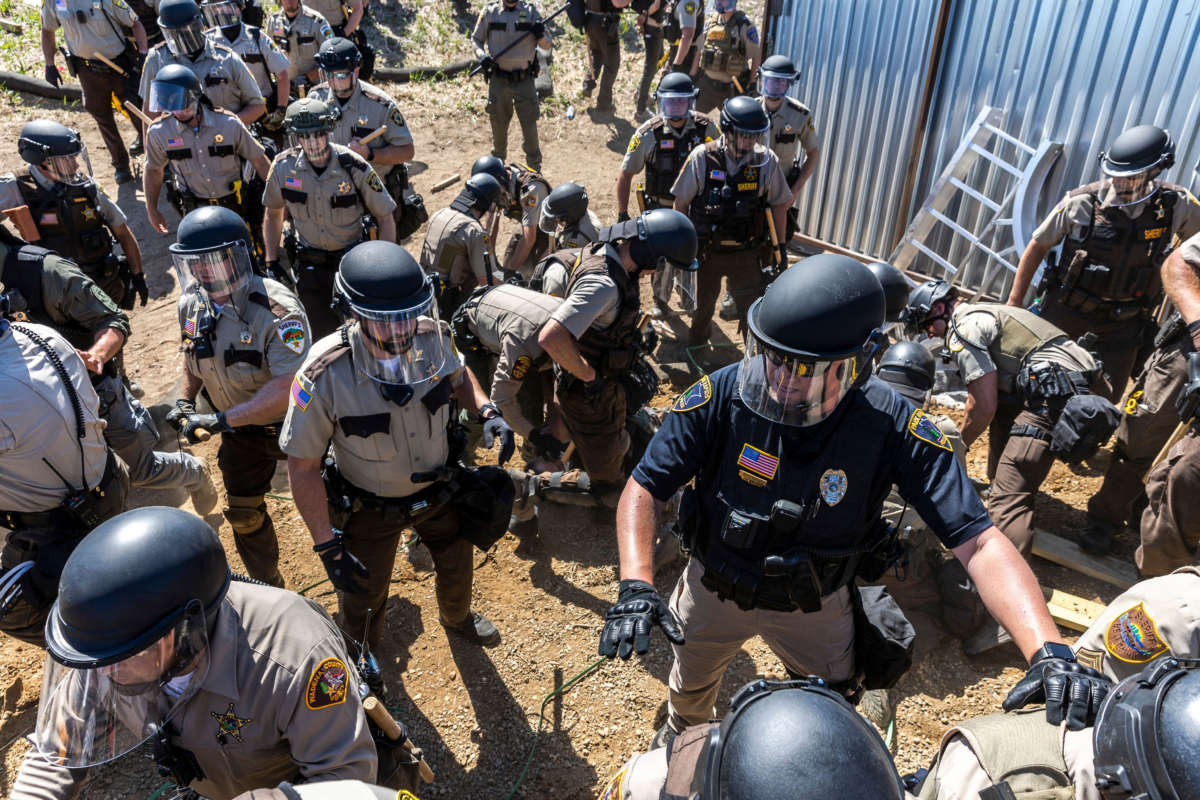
{"x": 1181, "y": 279}
{"x": 624, "y": 179}
{"x": 308, "y": 489}
{"x": 129, "y": 246}
{"x": 1034, "y": 253}
{"x": 267, "y": 405}
{"x": 982, "y": 400}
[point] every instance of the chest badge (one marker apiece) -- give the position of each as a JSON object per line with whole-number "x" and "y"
{"x": 758, "y": 461}
{"x": 218, "y": 138}
{"x": 751, "y": 173}
{"x": 244, "y": 337}
{"x": 362, "y": 120}
{"x": 88, "y": 213}
{"x": 344, "y": 187}
{"x": 833, "y": 486}
{"x": 230, "y": 724}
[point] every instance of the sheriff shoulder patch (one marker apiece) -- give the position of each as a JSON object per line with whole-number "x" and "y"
{"x": 373, "y": 181}
{"x": 925, "y": 429}
{"x": 396, "y": 117}
{"x": 694, "y": 396}
{"x": 521, "y": 367}
{"x": 327, "y": 686}
{"x": 530, "y": 200}
{"x": 1133, "y": 636}
{"x": 634, "y": 142}
{"x": 689, "y": 7}
{"x": 291, "y": 333}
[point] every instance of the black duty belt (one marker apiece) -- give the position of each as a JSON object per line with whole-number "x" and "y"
{"x": 315, "y": 257}
{"x": 412, "y": 507}
{"x": 516, "y": 75}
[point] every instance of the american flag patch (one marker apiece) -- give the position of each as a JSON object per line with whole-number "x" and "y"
{"x": 174, "y": 142}
{"x": 189, "y": 326}
{"x": 717, "y": 174}
{"x": 757, "y": 461}
{"x": 293, "y": 183}
{"x": 300, "y": 397}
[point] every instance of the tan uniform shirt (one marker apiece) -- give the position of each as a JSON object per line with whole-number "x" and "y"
{"x": 253, "y": 342}
{"x": 327, "y": 208}
{"x": 531, "y": 195}
{"x": 585, "y": 231}
{"x": 507, "y": 321}
{"x": 595, "y": 301}
{"x": 332, "y": 10}
{"x": 279, "y": 702}
{"x": 497, "y": 27}
{"x": 367, "y": 109}
{"x": 403, "y": 440}
{"x": 744, "y": 35}
{"x": 1073, "y": 215}
{"x": 455, "y": 248}
{"x": 10, "y": 197}
{"x": 208, "y": 156}
{"x": 258, "y": 52}
{"x": 771, "y": 181}
{"x": 688, "y": 12}
{"x": 641, "y": 144}
{"x": 791, "y": 131}
{"x": 1156, "y": 618}
{"x": 38, "y": 421}
{"x": 300, "y": 38}
{"x": 226, "y": 79}
{"x": 95, "y": 36}
{"x": 554, "y": 279}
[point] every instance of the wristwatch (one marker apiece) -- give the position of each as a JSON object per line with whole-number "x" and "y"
{"x": 486, "y": 407}
{"x": 1053, "y": 650}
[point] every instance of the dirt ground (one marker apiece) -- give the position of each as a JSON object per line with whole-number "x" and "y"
{"x": 475, "y": 711}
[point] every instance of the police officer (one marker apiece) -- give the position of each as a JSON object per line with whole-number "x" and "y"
{"x": 226, "y": 79}
{"x": 243, "y": 337}
{"x": 603, "y": 29}
{"x": 457, "y": 248}
{"x": 327, "y": 189}
{"x": 1168, "y": 530}
{"x": 650, "y": 16}
{"x": 681, "y": 28}
{"x": 524, "y": 192}
{"x": 266, "y": 62}
{"x": 58, "y": 478}
{"x": 510, "y": 76}
{"x": 70, "y": 213}
{"x": 594, "y": 335}
{"x": 566, "y": 218}
{"x": 365, "y": 108}
{"x": 781, "y": 739}
{"x": 730, "y": 52}
{"x": 1020, "y": 371}
{"x": 792, "y": 457}
{"x": 896, "y": 289}
{"x": 205, "y": 148}
{"x": 1117, "y": 232}
{"x": 94, "y": 31}
{"x": 727, "y": 187}
{"x": 381, "y": 391}
{"x": 792, "y": 129}
{"x": 299, "y": 31}
{"x": 234, "y": 685}
{"x": 345, "y": 20}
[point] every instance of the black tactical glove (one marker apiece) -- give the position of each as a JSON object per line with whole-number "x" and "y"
{"x": 781, "y": 256}
{"x": 183, "y": 408}
{"x": 627, "y": 625}
{"x": 1070, "y": 691}
{"x": 622, "y": 216}
{"x": 538, "y": 30}
{"x": 213, "y": 423}
{"x": 273, "y": 270}
{"x": 547, "y": 444}
{"x": 138, "y": 281}
{"x": 343, "y": 569}
{"x": 487, "y": 64}
{"x": 52, "y": 76}
{"x": 493, "y": 428}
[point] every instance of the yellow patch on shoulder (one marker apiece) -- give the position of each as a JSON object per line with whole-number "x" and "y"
{"x": 328, "y": 685}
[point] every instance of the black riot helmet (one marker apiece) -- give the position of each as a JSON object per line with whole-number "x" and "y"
{"x": 1133, "y": 162}
{"x": 921, "y": 302}
{"x": 809, "y": 338}
{"x": 659, "y": 238}
{"x": 138, "y": 600}
{"x": 895, "y": 289}
{"x": 676, "y": 95}
{"x": 175, "y": 88}
{"x": 784, "y": 740}
{"x": 182, "y": 26}
{"x": 57, "y": 151}
{"x": 338, "y": 53}
{"x": 566, "y": 204}
{"x": 1146, "y": 739}
{"x": 493, "y": 166}
{"x": 395, "y": 337}
{"x": 909, "y": 368}
{"x": 212, "y": 252}
{"x": 776, "y": 75}
{"x": 480, "y": 193}
{"x": 308, "y": 122}
{"x": 745, "y": 126}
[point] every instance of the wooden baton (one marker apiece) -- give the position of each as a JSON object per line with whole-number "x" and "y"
{"x": 373, "y": 135}
{"x": 100, "y": 57}
{"x": 737, "y": 85}
{"x": 133, "y": 109}
{"x": 444, "y": 182}
{"x": 383, "y": 719}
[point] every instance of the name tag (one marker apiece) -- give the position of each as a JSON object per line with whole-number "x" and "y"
{"x": 747, "y": 187}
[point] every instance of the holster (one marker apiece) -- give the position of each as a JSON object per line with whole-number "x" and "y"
{"x": 399, "y": 767}
{"x": 411, "y": 205}
{"x": 344, "y": 499}
{"x": 883, "y": 637}
{"x": 484, "y": 499}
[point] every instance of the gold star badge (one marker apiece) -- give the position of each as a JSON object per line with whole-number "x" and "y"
{"x": 230, "y": 724}
{"x": 344, "y": 187}
{"x": 362, "y": 120}
{"x": 88, "y": 213}
{"x": 218, "y": 138}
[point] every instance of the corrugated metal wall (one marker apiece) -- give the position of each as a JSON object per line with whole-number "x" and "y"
{"x": 1079, "y": 71}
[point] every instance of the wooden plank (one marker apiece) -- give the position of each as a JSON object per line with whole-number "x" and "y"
{"x": 1071, "y": 611}
{"x": 1069, "y": 554}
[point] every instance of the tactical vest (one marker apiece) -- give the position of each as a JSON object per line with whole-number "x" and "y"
{"x": 611, "y": 352}
{"x": 22, "y": 271}
{"x": 721, "y": 52}
{"x": 1121, "y": 256}
{"x": 1022, "y": 333}
{"x": 68, "y": 220}
{"x": 685, "y": 760}
{"x": 524, "y": 176}
{"x": 667, "y": 157}
{"x": 1019, "y": 750}
{"x": 729, "y": 208}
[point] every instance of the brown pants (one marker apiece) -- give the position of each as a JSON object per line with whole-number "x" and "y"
{"x": 1023, "y": 465}
{"x": 713, "y": 94}
{"x": 597, "y": 427}
{"x": 741, "y": 270}
{"x": 372, "y": 535}
{"x": 98, "y": 88}
{"x": 247, "y": 460}
{"x": 604, "y": 49}
{"x": 1149, "y": 420}
{"x": 1117, "y": 343}
{"x": 1171, "y": 521}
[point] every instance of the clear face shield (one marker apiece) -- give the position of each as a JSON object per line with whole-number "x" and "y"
{"x": 341, "y": 81}
{"x": 399, "y": 347}
{"x": 172, "y": 99}
{"x": 72, "y": 170}
{"x": 1128, "y": 190}
{"x": 680, "y": 280}
{"x": 315, "y": 145}
{"x": 724, "y": 6}
{"x": 747, "y": 148}
{"x": 794, "y": 390}
{"x": 774, "y": 85}
{"x": 185, "y": 39}
{"x": 219, "y": 273}
{"x": 222, "y": 14}
{"x": 89, "y": 716}
{"x": 675, "y": 106}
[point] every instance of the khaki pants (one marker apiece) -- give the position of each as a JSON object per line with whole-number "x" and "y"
{"x": 132, "y": 435}
{"x": 741, "y": 270}
{"x": 1171, "y": 521}
{"x": 505, "y": 97}
{"x": 1023, "y": 465}
{"x": 597, "y": 427}
{"x": 820, "y": 643}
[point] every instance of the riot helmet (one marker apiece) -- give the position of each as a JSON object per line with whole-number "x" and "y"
{"x": 1132, "y": 162}
{"x": 809, "y": 338}
{"x": 182, "y": 26}
{"x": 896, "y": 289}
{"x": 494, "y": 167}
{"x": 745, "y": 127}
{"x": 308, "y": 121}
{"x": 395, "y": 337}
{"x": 222, "y": 13}
{"x": 661, "y": 239}
{"x": 776, "y": 76}
{"x": 212, "y": 253}
{"x": 676, "y": 95}
{"x": 1146, "y": 739}
{"x": 176, "y": 90}
{"x": 918, "y": 314}
{"x": 566, "y": 204}
{"x": 787, "y": 739}
{"x": 127, "y": 640}
{"x": 909, "y": 368}
{"x": 57, "y": 152}
{"x": 339, "y": 60}
{"x": 724, "y": 6}
{"x": 480, "y": 193}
